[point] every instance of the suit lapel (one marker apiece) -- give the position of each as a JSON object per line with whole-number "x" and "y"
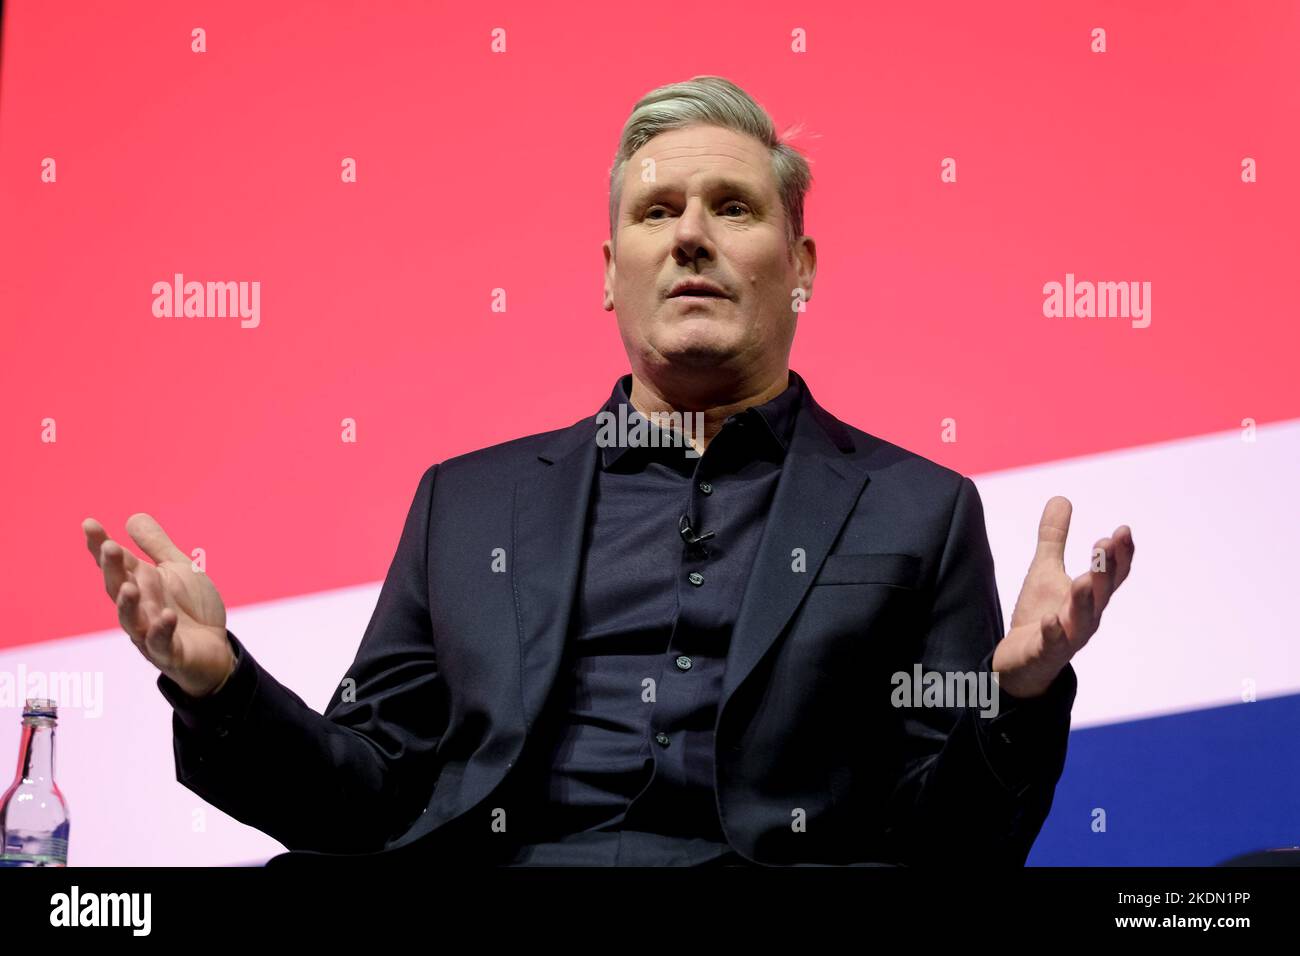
{"x": 550, "y": 522}
{"x": 817, "y": 490}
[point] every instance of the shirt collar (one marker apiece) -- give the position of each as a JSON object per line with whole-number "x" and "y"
{"x": 775, "y": 419}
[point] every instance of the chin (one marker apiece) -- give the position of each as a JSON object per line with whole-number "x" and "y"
{"x": 694, "y": 341}
{"x": 699, "y": 354}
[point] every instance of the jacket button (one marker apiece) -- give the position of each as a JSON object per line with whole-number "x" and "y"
{"x": 683, "y": 663}
{"x": 695, "y": 578}
{"x": 661, "y": 739}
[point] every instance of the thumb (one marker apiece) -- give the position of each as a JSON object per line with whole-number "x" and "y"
{"x": 152, "y": 539}
{"x": 1055, "y": 641}
{"x": 1053, "y": 528}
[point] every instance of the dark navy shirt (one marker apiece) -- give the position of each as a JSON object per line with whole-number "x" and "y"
{"x": 622, "y": 769}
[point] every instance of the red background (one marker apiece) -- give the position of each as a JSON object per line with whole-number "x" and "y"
{"x": 480, "y": 170}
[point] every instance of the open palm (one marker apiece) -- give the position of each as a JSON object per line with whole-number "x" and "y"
{"x": 173, "y": 614}
{"x": 1055, "y": 615}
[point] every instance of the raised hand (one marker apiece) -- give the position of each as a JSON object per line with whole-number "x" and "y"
{"x": 1056, "y": 616}
{"x": 173, "y": 614}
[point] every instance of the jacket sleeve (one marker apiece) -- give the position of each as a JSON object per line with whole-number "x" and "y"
{"x": 977, "y": 784}
{"x": 351, "y": 779}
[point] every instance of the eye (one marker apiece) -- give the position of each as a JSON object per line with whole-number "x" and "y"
{"x": 653, "y": 209}
{"x": 737, "y": 205}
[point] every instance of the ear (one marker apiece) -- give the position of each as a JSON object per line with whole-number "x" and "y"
{"x": 806, "y": 263}
{"x": 607, "y": 248}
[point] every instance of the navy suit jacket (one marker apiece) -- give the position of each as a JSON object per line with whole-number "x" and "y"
{"x": 873, "y": 559}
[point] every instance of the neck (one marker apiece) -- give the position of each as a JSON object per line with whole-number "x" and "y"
{"x": 717, "y": 400}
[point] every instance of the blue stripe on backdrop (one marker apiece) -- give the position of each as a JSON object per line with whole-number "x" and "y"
{"x": 1190, "y": 789}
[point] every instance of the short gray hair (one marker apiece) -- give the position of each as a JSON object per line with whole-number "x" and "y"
{"x": 714, "y": 101}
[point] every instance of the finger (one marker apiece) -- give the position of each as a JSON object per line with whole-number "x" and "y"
{"x": 1123, "y": 553}
{"x": 95, "y": 536}
{"x": 1080, "y": 623}
{"x": 1117, "y": 557}
{"x": 118, "y": 565}
{"x": 159, "y": 640}
{"x": 1103, "y": 580}
{"x": 1056, "y": 643}
{"x": 152, "y": 539}
{"x": 153, "y": 595}
{"x": 1053, "y": 528}
{"x": 97, "y": 549}
{"x": 129, "y": 614}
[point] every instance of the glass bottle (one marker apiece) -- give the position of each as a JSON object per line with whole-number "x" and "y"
{"x": 33, "y": 813}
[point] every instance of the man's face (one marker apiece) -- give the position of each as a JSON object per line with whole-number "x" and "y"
{"x": 712, "y": 213}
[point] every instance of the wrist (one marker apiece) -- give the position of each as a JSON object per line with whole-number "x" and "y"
{"x": 208, "y": 688}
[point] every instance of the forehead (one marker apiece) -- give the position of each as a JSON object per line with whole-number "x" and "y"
{"x": 704, "y": 154}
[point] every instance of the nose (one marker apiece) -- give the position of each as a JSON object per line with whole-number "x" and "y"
{"x": 691, "y": 240}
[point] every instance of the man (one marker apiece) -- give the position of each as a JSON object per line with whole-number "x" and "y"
{"x": 592, "y": 648}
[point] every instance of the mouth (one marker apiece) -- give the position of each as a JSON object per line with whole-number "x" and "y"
{"x": 698, "y": 297}
{"x": 697, "y": 292}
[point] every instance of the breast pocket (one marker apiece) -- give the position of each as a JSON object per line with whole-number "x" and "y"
{"x": 895, "y": 570}
{"x": 860, "y": 611}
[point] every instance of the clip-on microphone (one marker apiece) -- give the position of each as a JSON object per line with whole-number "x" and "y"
{"x": 689, "y": 534}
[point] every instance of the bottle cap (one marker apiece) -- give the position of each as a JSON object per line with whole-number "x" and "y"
{"x": 40, "y": 707}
